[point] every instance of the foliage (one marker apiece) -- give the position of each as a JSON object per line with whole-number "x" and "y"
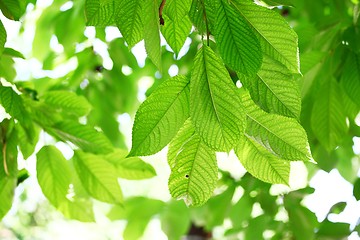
{"x": 275, "y": 82}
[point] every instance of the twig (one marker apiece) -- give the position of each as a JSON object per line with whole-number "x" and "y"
{"x": 161, "y": 8}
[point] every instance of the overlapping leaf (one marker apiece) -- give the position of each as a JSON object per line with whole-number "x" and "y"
{"x": 128, "y": 20}
{"x": 68, "y": 102}
{"x": 351, "y": 77}
{"x": 7, "y": 189}
{"x": 160, "y": 116}
{"x": 53, "y": 174}
{"x": 194, "y": 173}
{"x": 12, "y": 103}
{"x": 280, "y": 135}
{"x": 150, "y": 19}
{"x": 98, "y": 177}
{"x": 83, "y": 136}
{"x": 274, "y": 89}
{"x": 237, "y": 43}
{"x": 261, "y": 163}
{"x": 216, "y": 109}
{"x": 2, "y": 37}
{"x": 132, "y": 168}
{"x": 13, "y": 9}
{"x": 100, "y": 12}
{"x": 79, "y": 209}
{"x": 328, "y": 119}
{"x": 277, "y": 38}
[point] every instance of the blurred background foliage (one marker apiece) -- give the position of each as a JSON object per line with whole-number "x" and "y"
{"x": 53, "y": 49}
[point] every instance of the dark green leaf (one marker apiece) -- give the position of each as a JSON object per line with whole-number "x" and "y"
{"x": 350, "y": 78}
{"x": 3, "y": 37}
{"x": 356, "y": 190}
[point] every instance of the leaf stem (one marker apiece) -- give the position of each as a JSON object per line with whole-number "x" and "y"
{"x": 161, "y": 8}
{"x": 206, "y": 24}
{"x": 4, "y": 158}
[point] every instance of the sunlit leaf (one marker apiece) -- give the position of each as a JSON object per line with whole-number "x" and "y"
{"x": 78, "y": 209}
{"x": 99, "y": 12}
{"x": 274, "y": 89}
{"x": 237, "y": 43}
{"x": 3, "y": 37}
{"x": 217, "y": 117}
{"x": 277, "y": 38}
{"x": 53, "y": 174}
{"x": 194, "y": 174}
{"x": 7, "y": 188}
{"x": 98, "y": 177}
{"x": 160, "y": 116}
{"x": 12, "y": 103}
{"x": 350, "y": 78}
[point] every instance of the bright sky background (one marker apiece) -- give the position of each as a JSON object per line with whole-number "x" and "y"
{"x": 330, "y": 188}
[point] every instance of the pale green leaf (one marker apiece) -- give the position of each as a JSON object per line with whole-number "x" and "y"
{"x": 194, "y": 175}
{"x": 150, "y": 19}
{"x": 177, "y": 24}
{"x": 274, "y": 89}
{"x": 277, "y": 38}
{"x": 236, "y": 41}
{"x": 261, "y": 163}
{"x": 100, "y": 12}
{"x": 98, "y": 177}
{"x": 328, "y": 119}
{"x": 196, "y": 15}
{"x": 132, "y": 168}
{"x": 160, "y": 116}
{"x": 53, "y": 174}
{"x": 7, "y": 189}
{"x": 68, "y": 102}
{"x": 12, "y": 103}
{"x": 350, "y": 78}
{"x": 78, "y": 209}
{"x": 282, "y": 136}
{"x": 176, "y": 31}
{"x": 185, "y": 133}
{"x": 2, "y": 37}
{"x": 215, "y": 109}
{"x": 83, "y": 136}
{"x": 129, "y": 22}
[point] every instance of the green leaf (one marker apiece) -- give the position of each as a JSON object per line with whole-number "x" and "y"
{"x": 194, "y": 175}
{"x": 350, "y": 78}
{"x": 78, "y": 209}
{"x": 277, "y": 38}
{"x": 100, "y": 12}
{"x": 241, "y": 211}
{"x": 53, "y": 174}
{"x": 98, "y": 177}
{"x": 280, "y": 135}
{"x": 83, "y": 136}
{"x": 129, "y": 20}
{"x": 215, "y": 109}
{"x": 356, "y": 190}
{"x": 196, "y": 15}
{"x": 150, "y": 19}
{"x": 7, "y": 188}
{"x": 276, "y": 3}
{"x": 12, "y": 103}
{"x": 160, "y": 117}
{"x": 13, "y": 9}
{"x": 236, "y": 41}
{"x": 274, "y": 89}
{"x": 261, "y": 163}
{"x": 12, "y": 52}
{"x": 177, "y": 24}
{"x": 175, "y": 220}
{"x": 328, "y": 119}
{"x": 3, "y": 37}
{"x": 68, "y": 102}
{"x": 132, "y": 168}
{"x": 337, "y": 230}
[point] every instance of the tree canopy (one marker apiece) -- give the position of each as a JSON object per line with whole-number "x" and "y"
{"x": 271, "y": 82}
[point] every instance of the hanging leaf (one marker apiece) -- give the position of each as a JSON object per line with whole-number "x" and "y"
{"x": 132, "y": 168}
{"x": 236, "y": 41}
{"x": 78, "y": 209}
{"x": 129, "y": 22}
{"x": 269, "y": 26}
{"x": 53, "y": 174}
{"x": 268, "y": 130}
{"x": 13, "y": 9}
{"x": 350, "y": 78}
{"x": 100, "y": 13}
{"x": 160, "y": 117}
{"x": 194, "y": 175}
{"x": 12, "y": 103}
{"x": 328, "y": 119}
{"x": 261, "y": 163}
{"x": 274, "y": 89}
{"x": 98, "y": 177}
{"x": 83, "y": 136}
{"x": 68, "y": 102}
{"x": 150, "y": 19}
{"x": 216, "y": 109}
{"x": 7, "y": 189}
{"x": 177, "y": 24}
{"x": 3, "y": 37}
